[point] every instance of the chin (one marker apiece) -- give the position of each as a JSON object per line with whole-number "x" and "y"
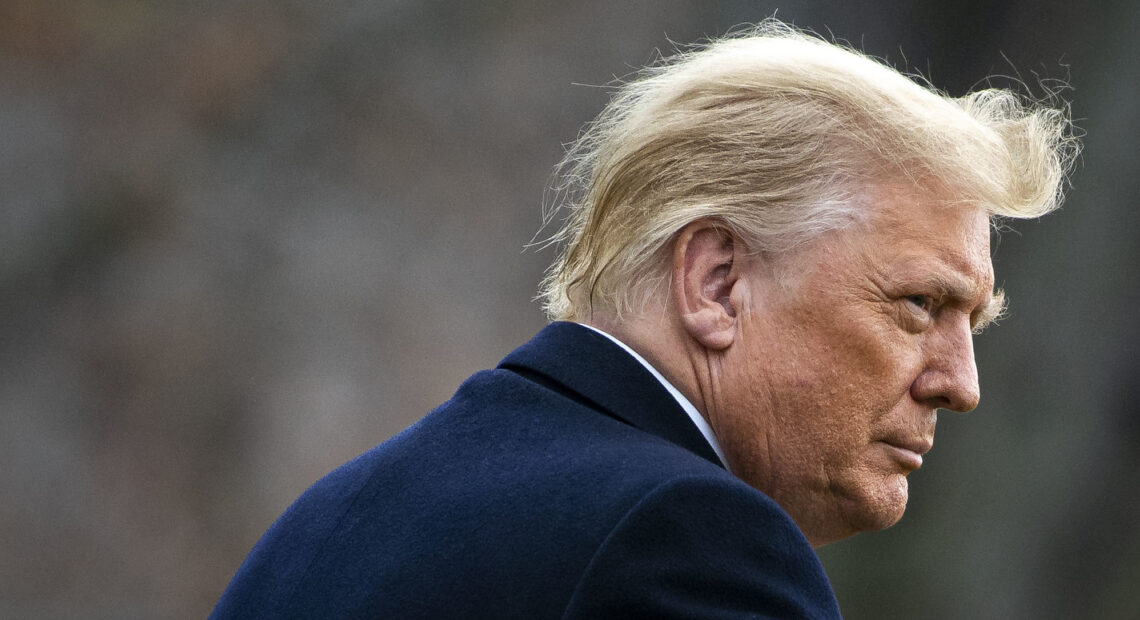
{"x": 861, "y": 508}
{"x": 881, "y": 507}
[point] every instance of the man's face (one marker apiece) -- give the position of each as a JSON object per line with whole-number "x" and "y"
{"x": 828, "y": 394}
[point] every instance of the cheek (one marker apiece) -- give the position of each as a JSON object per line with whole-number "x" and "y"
{"x": 876, "y": 373}
{"x": 874, "y": 361}
{"x": 837, "y": 384}
{"x": 822, "y": 386}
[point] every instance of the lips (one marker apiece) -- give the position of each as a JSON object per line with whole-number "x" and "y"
{"x": 908, "y": 451}
{"x": 918, "y": 445}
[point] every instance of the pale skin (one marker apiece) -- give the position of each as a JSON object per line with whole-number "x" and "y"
{"x": 821, "y": 370}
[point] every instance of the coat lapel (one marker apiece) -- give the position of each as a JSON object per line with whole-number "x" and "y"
{"x": 587, "y": 367}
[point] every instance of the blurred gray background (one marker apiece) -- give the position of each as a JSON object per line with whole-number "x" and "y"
{"x": 242, "y": 242}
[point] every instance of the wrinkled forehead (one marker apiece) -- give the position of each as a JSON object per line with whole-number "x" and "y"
{"x": 902, "y": 228}
{"x": 917, "y": 205}
{"x": 930, "y": 227}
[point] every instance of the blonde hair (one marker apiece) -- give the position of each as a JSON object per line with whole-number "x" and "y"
{"x": 773, "y": 133}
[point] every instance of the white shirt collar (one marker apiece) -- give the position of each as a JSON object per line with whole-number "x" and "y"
{"x": 697, "y": 418}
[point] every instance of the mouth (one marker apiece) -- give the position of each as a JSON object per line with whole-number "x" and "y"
{"x": 908, "y": 451}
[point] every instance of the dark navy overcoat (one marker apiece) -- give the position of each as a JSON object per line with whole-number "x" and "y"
{"x": 565, "y": 483}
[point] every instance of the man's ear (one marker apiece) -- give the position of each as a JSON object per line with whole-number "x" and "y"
{"x": 703, "y": 277}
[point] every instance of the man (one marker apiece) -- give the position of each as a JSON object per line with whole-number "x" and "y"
{"x": 775, "y": 256}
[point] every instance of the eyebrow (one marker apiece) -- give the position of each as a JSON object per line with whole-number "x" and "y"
{"x": 958, "y": 289}
{"x": 988, "y": 314}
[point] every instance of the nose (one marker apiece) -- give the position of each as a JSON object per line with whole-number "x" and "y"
{"x": 949, "y": 379}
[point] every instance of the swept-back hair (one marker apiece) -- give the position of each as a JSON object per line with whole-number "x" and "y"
{"x": 775, "y": 134}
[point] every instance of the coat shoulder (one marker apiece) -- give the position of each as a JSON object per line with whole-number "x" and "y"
{"x": 509, "y": 500}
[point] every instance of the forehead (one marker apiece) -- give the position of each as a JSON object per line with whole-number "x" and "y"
{"x": 923, "y": 234}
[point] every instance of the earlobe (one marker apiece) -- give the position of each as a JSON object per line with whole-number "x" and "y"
{"x": 704, "y": 274}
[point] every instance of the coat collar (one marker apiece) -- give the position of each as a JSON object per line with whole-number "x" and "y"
{"x": 598, "y": 372}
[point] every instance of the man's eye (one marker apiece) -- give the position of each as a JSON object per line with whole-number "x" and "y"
{"x": 920, "y": 302}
